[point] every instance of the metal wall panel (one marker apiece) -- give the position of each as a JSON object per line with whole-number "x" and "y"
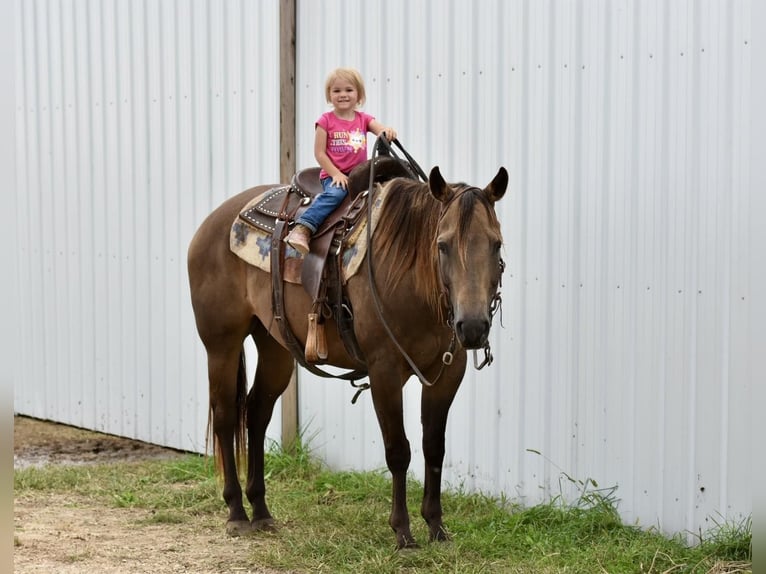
{"x": 624, "y": 125}
{"x": 625, "y": 347}
{"x": 134, "y": 120}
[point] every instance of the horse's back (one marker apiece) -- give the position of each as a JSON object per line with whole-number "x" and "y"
{"x": 215, "y": 272}
{"x": 222, "y": 217}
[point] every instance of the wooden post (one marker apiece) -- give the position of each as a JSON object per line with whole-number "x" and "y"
{"x": 286, "y": 171}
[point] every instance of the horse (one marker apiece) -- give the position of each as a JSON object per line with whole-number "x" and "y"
{"x": 429, "y": 298}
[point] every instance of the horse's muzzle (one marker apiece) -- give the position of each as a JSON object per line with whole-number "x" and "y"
{"x": 472, "y": 333}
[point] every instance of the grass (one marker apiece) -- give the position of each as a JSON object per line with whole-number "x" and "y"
{"x": 336, "y": 522}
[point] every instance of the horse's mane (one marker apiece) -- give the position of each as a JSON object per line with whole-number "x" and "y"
{"x": 406, "y": 232}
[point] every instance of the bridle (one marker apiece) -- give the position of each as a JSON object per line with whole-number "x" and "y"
{"x": 495, "y": 302}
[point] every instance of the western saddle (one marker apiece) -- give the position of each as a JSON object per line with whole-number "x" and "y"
{"x": 321, "y": 273}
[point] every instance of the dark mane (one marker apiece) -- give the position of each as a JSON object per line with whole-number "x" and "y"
{"x": 407, "y": 229}
{"x": 406, "y": 234}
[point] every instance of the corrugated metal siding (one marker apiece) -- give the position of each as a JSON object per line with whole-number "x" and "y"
{"x": 624, "y": 351}
{"x": 134, "y": 120}
{"x": 625, "y": 128}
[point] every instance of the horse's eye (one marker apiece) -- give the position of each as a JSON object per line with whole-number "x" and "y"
{"x": 442, "y": 246}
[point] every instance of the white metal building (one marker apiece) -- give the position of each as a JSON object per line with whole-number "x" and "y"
{"x": 626, "y": 352}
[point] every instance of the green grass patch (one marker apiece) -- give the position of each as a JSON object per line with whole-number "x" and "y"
{"x": 337, "y": 522}
{"x": 188, "y": 484}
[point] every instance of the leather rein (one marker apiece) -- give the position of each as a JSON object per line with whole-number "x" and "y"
{"x": 495, "y": 303}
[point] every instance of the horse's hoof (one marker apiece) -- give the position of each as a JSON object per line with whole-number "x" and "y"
{"x": 264, "y": 525}
{"x": 440, "y": 535}
{"x": 407, "y": 544}
{"x": 238, "y": 528}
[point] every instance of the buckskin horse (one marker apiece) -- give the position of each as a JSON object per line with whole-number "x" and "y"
{"x": 429, "y": 298}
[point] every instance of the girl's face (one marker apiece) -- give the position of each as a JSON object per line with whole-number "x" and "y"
{"x": 343, "y": 96}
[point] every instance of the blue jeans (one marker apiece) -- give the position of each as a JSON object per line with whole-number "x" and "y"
{"x": 323, "y": 205}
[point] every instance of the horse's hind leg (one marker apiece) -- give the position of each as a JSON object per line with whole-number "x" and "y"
{"x": 272, "y": 375}
{"x": 228, "y": 386}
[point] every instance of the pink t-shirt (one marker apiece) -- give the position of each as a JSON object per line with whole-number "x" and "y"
{"x": 346, "y": 140}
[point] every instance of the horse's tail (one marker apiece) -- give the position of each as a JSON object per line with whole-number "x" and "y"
{"x": 240, "y": 431}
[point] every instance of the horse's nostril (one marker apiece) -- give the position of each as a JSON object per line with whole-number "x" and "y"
{"x": 472, "y": 333}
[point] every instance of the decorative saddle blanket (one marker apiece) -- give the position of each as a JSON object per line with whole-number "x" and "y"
{"x": 251, "y": 231}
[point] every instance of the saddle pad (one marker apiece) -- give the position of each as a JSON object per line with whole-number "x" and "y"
{"x": 253, "y": 244}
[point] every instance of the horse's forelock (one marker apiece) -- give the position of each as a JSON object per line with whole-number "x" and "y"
{"x": 468, "y": 197}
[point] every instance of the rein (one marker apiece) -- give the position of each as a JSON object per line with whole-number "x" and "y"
{"x": 448, "y": 355}
{"x": 371, "y": 272}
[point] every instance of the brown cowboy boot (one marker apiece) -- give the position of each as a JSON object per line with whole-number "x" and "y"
{"x": 299, "y": 238}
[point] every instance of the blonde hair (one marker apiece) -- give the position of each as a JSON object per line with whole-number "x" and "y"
{"x": 350, "y": 75}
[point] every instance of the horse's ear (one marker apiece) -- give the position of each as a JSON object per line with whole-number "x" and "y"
{"x": 496, "y": 189}
{"x": 439, "y": 188}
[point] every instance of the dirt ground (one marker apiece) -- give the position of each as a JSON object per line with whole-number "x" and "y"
{"x": 54, "y": 534}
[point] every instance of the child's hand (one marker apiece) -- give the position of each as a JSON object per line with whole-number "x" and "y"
{"x": 340, "y": 180}
{"x": 389, "y": 133}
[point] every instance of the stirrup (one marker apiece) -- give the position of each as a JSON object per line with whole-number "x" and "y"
{"x": 316, "y": 341}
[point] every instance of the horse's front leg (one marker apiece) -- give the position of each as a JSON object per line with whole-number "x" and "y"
{"x": 435, "y": 405}
{"x": 388, "y": 407}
